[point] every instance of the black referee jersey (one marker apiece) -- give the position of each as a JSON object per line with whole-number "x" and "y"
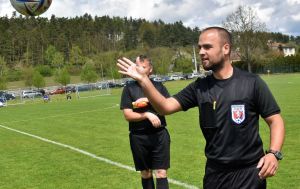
{"x": 131, "y": 93}
{"x": 229, "y": 116}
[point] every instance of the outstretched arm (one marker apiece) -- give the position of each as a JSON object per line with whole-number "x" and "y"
{"x": 269, "y": 163}
{"x": 161, "y": 104}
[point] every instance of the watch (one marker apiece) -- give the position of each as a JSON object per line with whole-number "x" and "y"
{"x": 277, "y": 154}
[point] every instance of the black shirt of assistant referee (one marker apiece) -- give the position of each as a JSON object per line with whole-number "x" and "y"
{"x": 131, "y": 93}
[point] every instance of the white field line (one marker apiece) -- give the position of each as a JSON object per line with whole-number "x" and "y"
{"x": 16, "y": 104}
{"x": 94, "y": 96}
{"x": 61, "y": 115}
{"x": 176, "y": 182}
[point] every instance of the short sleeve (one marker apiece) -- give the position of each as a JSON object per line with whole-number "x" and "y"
{"x": 187, "y": 97}
{"x": 164, "y": 91}
{"x": 126, "y": 101}
{"x": 264, "y": 99}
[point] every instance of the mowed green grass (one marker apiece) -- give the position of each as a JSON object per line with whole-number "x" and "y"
{"x": 96, "y": 125}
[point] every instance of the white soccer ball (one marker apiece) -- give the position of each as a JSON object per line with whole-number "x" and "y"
{"x": 31, "y": 7}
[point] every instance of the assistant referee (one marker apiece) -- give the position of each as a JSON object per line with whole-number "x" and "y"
{"x": 149, "y": 138}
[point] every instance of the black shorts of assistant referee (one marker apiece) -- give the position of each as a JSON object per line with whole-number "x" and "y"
{"x": 245, "y": 178}
{"x": 151, "y": 151}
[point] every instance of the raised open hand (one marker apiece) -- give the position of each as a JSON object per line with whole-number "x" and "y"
{"x": 127, "y": 67}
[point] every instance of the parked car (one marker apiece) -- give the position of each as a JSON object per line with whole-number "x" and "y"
{"x": 129, "y": 82}
{"x": 60, "y": 90}
{"x": 193, "y": 75}
{"x": 101, "y": 85}
{"x": 159, "y": 79}
{"x": 7, "y": 96}
{"x": 31, "y": 94}
{"x": 85, "y": 87}
{"x": 112, "y": 85}
{"x": 121, "y": 84}
{"x": 71, "y": 89}
{"x": 175, "y": 77}
{"x": 165, "y": 78}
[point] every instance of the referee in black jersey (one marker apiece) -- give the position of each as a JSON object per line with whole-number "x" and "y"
{"x": 230, "y": 102}
{"x": 149, "y": 138}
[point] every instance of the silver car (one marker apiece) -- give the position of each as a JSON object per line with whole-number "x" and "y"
{"x": 31, "y": 94}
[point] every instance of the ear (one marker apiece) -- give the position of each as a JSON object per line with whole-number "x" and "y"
{"x": 137, "y": 59}
{"x": 151, "y": 70}
{"x": 226, "y": 49}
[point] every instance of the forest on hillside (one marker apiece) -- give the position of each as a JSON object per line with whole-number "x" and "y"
{"x": 46, "y": 45}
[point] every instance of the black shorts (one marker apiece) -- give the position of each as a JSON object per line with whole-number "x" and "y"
{"x": 151, "y": 151}
{"x": 245, "y": 178}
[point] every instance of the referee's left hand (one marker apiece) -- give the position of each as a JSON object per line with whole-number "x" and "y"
{"x": 268, "y": 166}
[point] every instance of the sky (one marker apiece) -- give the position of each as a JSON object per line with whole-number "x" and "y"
{"x": 279, "y": 15}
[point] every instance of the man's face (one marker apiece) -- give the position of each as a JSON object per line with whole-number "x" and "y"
{"x": 211, "y": 50}
{"x": 145, "y": 64}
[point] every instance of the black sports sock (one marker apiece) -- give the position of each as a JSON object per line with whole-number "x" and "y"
{"x": 148, "y": 183}
{"x": 162, "y": 183}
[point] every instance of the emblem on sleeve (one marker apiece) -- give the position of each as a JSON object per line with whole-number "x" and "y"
{"x": 238, "y": 113}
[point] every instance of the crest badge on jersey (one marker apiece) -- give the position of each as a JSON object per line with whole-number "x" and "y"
{"x": 238, "y": 113}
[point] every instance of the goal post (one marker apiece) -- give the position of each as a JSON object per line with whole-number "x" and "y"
{"x": 92, "y": 90}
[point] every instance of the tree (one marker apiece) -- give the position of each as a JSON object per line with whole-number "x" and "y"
{"x": 28, "y": 76}
{"x": 58, "y": 60}
{"x": 38, "y": 80}
{"x": 3, "y": 70}
{"x": 49, "y": 54}
{"x": 161, "y": 59}
{"x": 2, "y": 83}
{"x": 183, "y": 64}
{"x": 62, "y": 76}
{"x": 76, "y": 57}
{"x": 2, "y": 73}
{"x": 3, "y": 67}
{"x": 147, "y": 34}
{"x": 88, "y": 73}
{"x": 247, "y": 31}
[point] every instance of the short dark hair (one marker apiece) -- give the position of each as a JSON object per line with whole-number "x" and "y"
{"x": 145, "y": 57}
{"x": 223, "y": 33}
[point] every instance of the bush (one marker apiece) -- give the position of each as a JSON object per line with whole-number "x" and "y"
{"x": 2, "y": 83}
{"x": 45, "y": 70}
{"x": 62, "y": 76}
{"x": 38, "y": 80}
{"x": 14, "y": 75}
{"x": 74, "y": 70}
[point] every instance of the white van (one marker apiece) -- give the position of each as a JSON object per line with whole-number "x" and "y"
{"x": 31, "y": 94}
{"x": 175, "y": 77}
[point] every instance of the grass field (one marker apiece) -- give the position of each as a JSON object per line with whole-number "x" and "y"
{"x": 96, "y": 127}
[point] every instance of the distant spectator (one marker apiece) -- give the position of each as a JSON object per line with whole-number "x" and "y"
{"x": 2, "y": 102}
{"x": 69, "y": 97}
{"x": 43, "y": 92}
{"x": 46, "y": 97}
